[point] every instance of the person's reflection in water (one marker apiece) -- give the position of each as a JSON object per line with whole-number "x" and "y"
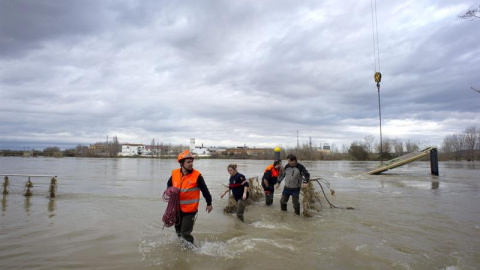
{"x": 51, "y": 208}
{"x": 27, "y": 204}
{"x": 4, "y": 204}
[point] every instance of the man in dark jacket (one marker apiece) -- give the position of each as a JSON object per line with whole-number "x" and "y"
{"x": 296, "y": 177}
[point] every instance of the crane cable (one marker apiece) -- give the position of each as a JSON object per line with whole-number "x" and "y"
{"x": 376, "y": 59}
{"x": 376, "y": 48}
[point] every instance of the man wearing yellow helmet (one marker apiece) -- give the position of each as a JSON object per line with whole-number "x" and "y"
{"x": 190, "y": 183}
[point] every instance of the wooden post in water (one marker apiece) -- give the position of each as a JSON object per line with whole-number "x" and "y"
{"x": 28, "y": 185}
{"x": 5, "y": 185}
{"x": 434, "y": 161}
{"x": 53, "y": 187}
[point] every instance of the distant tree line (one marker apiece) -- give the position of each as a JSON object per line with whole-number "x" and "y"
{"x": 390, "y": 148}
{"x": 471, "y": 14}
{"x": 459, "y": 146}
{"x": 463, "y": 146}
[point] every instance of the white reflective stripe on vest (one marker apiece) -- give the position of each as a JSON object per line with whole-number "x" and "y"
{"x": 189, "y": 189}
{"x": 189, "y": 201}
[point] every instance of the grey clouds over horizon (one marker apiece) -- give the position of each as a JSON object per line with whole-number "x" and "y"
{"x": 234, "y": 72}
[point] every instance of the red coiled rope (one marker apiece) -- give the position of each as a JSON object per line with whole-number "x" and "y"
{"x": 172, "y": 213}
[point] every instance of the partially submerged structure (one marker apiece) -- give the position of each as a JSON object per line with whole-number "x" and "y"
{"x": 410, "y": 157}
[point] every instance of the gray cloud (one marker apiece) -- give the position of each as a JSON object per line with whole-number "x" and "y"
{"x": 230, "y": 73}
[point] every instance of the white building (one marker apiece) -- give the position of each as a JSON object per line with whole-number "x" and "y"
{"x": 198, "y": 150}
{"x": 133, "y": 149}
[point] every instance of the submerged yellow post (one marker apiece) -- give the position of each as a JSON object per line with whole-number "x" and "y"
{"x": 277, "y": 150}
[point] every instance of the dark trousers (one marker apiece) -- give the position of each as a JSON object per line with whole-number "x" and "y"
{"x": 185, "y": 227}
{"x": 295, "y": 193}
{"x": 241, "y": 208}
{"x": 268, "y": 197}
{"x": 268, "y": 193}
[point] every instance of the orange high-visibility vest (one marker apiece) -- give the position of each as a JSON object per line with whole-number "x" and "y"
{"x": 272, "y": 168}
{"x": 189, "y": 191}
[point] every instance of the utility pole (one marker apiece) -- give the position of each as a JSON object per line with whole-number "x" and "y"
{"x": 108, "y": 148}
{"x": 298, "y": 146}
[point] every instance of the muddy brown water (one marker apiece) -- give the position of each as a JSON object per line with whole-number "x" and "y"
{"x": 107, "y": 215}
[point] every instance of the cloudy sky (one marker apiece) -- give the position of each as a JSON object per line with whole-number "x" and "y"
{"x": 229, "y": 73}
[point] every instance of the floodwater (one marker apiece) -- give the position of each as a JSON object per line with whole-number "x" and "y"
{"x": 107, "y": 215}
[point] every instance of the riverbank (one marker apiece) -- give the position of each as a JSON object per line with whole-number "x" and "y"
{"x": 332, "y": 157}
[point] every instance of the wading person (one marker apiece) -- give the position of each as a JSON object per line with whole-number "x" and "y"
{"x": 296, "y": 177}
{"x": 239, "y": 186}
{"x": 191, "y": 183}
{"x": 269, "y": 179}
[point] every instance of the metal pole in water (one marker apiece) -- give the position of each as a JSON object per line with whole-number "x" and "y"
{"x": 434, "y": 162}
{"x": 380, "y": 117}
{"x": 276, "y": 155}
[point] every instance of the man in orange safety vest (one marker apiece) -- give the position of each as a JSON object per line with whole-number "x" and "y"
{"x": 190, "y": 183}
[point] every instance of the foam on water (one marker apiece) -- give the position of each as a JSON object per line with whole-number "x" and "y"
{"x": 337, "y": 175}
{"x": 267, "y": 225}
{"x": 360, "y": 247}
{"x": 229, "y": 249}
{"x": 235, "y": 247}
